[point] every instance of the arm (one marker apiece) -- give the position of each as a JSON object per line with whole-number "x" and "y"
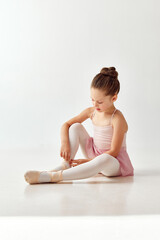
{"x": 64, "y": 133}
{"x": 83, "y": 160}
{"x": 76, "y": 162}
{"x": 89, "y": 159}
{"x": 65, "y": 144}
{"x": 120, "y": 128}
{"x": 84, "y": 115}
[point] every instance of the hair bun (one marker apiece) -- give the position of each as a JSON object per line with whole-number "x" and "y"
{"x": 111, "y": 72}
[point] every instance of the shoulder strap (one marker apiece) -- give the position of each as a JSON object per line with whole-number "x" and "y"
{"x": 112, "y": 115}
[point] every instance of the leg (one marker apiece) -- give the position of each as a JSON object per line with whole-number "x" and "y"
{"x": 112, "y": 169}
{"x": 103, "y": 162}
{"x": 77, "y": 136}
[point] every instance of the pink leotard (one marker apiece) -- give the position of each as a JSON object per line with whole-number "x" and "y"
{"x": 101, "y": 142}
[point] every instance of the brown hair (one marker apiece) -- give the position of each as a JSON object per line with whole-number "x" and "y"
{"x": 107, "y": 81}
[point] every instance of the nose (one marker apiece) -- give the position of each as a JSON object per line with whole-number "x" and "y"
{"x": 96, "y": 105}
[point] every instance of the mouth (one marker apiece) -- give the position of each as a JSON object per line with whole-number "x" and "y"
{"x": 98, "y": 109}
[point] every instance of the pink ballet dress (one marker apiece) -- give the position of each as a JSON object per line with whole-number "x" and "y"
{"x": 101, "y": 142}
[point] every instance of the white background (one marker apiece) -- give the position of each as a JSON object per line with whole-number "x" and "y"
{"x": 51, "y": 50}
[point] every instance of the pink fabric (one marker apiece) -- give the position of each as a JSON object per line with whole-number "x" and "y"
{"x": 101, "y": 142}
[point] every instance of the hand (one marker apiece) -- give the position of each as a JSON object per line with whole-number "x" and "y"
{"x": 65, "y": 151}
{"x": 76, "y": 162}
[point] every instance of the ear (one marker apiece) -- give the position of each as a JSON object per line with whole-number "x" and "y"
{"x": 114, "y": 98}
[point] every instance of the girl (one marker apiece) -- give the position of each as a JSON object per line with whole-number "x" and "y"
{"x": 106, "y": 151}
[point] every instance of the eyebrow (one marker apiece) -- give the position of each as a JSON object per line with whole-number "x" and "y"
{"x": 98, "y": 100}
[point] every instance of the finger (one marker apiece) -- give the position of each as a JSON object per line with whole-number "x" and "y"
{"x": 74, "y": 164}
{"x": 74, "y": 161}
{"x": 65, "y": 156}
{"x": 68, "y": 158}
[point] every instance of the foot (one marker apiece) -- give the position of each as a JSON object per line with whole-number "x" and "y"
{"x": 57, "y": 176}
{"x": 34, "y": 177}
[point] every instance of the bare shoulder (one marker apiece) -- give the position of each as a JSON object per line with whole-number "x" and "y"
{"x": 81, "y": 117}
{"x": 90, "y": 111}
{"x": 119, "y": 118}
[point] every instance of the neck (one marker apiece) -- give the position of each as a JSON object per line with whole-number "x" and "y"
{"x": 110, "y": 110}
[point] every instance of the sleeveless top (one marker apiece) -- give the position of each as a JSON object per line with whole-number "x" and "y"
{"x": 101, "y": 142}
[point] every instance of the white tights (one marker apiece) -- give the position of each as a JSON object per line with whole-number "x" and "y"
{"x": 104, "y": 163}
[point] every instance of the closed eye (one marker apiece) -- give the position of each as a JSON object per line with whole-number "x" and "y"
{"x": 98, "y": 102}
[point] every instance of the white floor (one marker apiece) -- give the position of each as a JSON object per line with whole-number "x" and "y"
{"x": 96, "y": 196}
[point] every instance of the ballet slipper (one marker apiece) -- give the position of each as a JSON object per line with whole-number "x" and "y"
{"x": 56, "y": 177}
{"x": 32, "y": 176}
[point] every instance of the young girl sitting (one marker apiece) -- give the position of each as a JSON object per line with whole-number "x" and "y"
{"x": 106, "y": 151}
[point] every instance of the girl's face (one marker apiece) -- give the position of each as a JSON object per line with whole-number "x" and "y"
{"x": 101, "y": 102}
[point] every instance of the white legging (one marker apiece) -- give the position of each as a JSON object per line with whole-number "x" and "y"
{"x": 104, "y": 163}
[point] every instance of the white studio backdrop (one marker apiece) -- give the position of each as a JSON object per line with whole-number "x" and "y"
{"x": 50, "y": 50}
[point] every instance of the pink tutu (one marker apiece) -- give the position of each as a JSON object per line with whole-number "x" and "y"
{"x": 125, "y": 164}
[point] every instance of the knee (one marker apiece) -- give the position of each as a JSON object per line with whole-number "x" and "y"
{"x": 106, "y": 159}
{"x": 75, "y": 126}
{"x": 105, "y": 156}
{"x": 102, "y": 159}
{"x": 112, "y": 166}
